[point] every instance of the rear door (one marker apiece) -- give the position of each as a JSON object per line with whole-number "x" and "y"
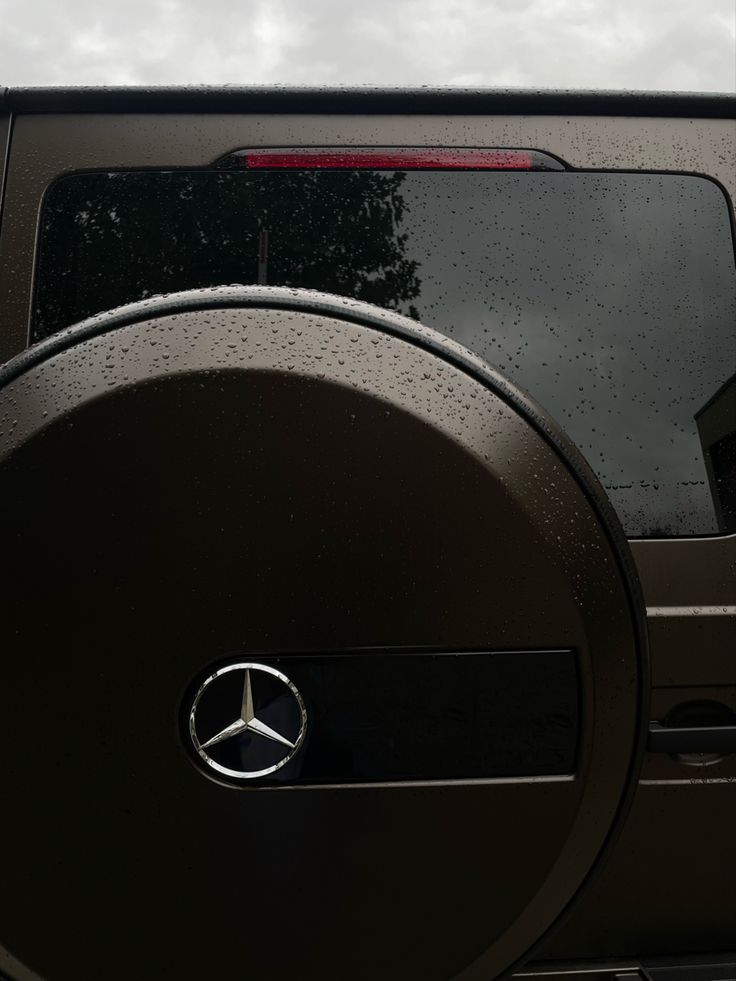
{"x": 602, "y": 281}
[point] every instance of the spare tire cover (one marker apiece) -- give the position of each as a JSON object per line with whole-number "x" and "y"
{"x": 322, "y": 651}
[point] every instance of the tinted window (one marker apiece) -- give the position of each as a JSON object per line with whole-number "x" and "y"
{"x": 611, "y": 298}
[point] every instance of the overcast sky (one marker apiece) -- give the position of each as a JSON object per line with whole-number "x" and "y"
{"x": 619, "y": 44}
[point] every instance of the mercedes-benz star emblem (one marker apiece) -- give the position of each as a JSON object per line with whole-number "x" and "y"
{"x": 247, "y": 720}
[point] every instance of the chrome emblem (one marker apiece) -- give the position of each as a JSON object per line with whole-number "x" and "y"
{"x": 247, "y": 720}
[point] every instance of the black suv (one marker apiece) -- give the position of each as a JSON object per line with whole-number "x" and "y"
{"x": 368, "y": 481}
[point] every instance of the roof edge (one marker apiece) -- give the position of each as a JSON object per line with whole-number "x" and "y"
{"x": 368, "y": 100}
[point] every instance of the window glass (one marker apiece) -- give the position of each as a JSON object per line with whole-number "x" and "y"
{"x": 609, "y": 297}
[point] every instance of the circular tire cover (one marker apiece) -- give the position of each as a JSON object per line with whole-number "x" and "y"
{"x": 292, "y": 486}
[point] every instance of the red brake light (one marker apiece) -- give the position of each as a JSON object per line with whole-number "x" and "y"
{"x": 391, "y": 158}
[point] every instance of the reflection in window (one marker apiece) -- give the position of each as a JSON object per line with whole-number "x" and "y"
{"x": 717, "y": 429}
{"x": 609, "y": 297}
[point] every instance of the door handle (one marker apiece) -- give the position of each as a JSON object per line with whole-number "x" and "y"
{"x": 691, "y": 739}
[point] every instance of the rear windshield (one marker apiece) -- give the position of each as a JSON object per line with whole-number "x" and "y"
{"x": 609, "y": 297}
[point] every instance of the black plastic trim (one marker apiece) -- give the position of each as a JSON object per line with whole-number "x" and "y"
{"x": 707, "y": 967}
{"x": 5, "y": 154}
{"x": 239, "y": 99}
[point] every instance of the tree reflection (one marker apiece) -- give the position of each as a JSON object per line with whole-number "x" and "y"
{"x": 162, "y": 232}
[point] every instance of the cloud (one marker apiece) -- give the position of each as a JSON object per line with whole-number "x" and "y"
{"x": 662, "y": 44}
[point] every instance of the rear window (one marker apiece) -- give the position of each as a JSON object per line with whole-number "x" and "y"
{"x": 609, "y": 297}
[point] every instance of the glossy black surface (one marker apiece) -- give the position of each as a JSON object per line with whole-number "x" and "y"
{"x": 410, "y": 716}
